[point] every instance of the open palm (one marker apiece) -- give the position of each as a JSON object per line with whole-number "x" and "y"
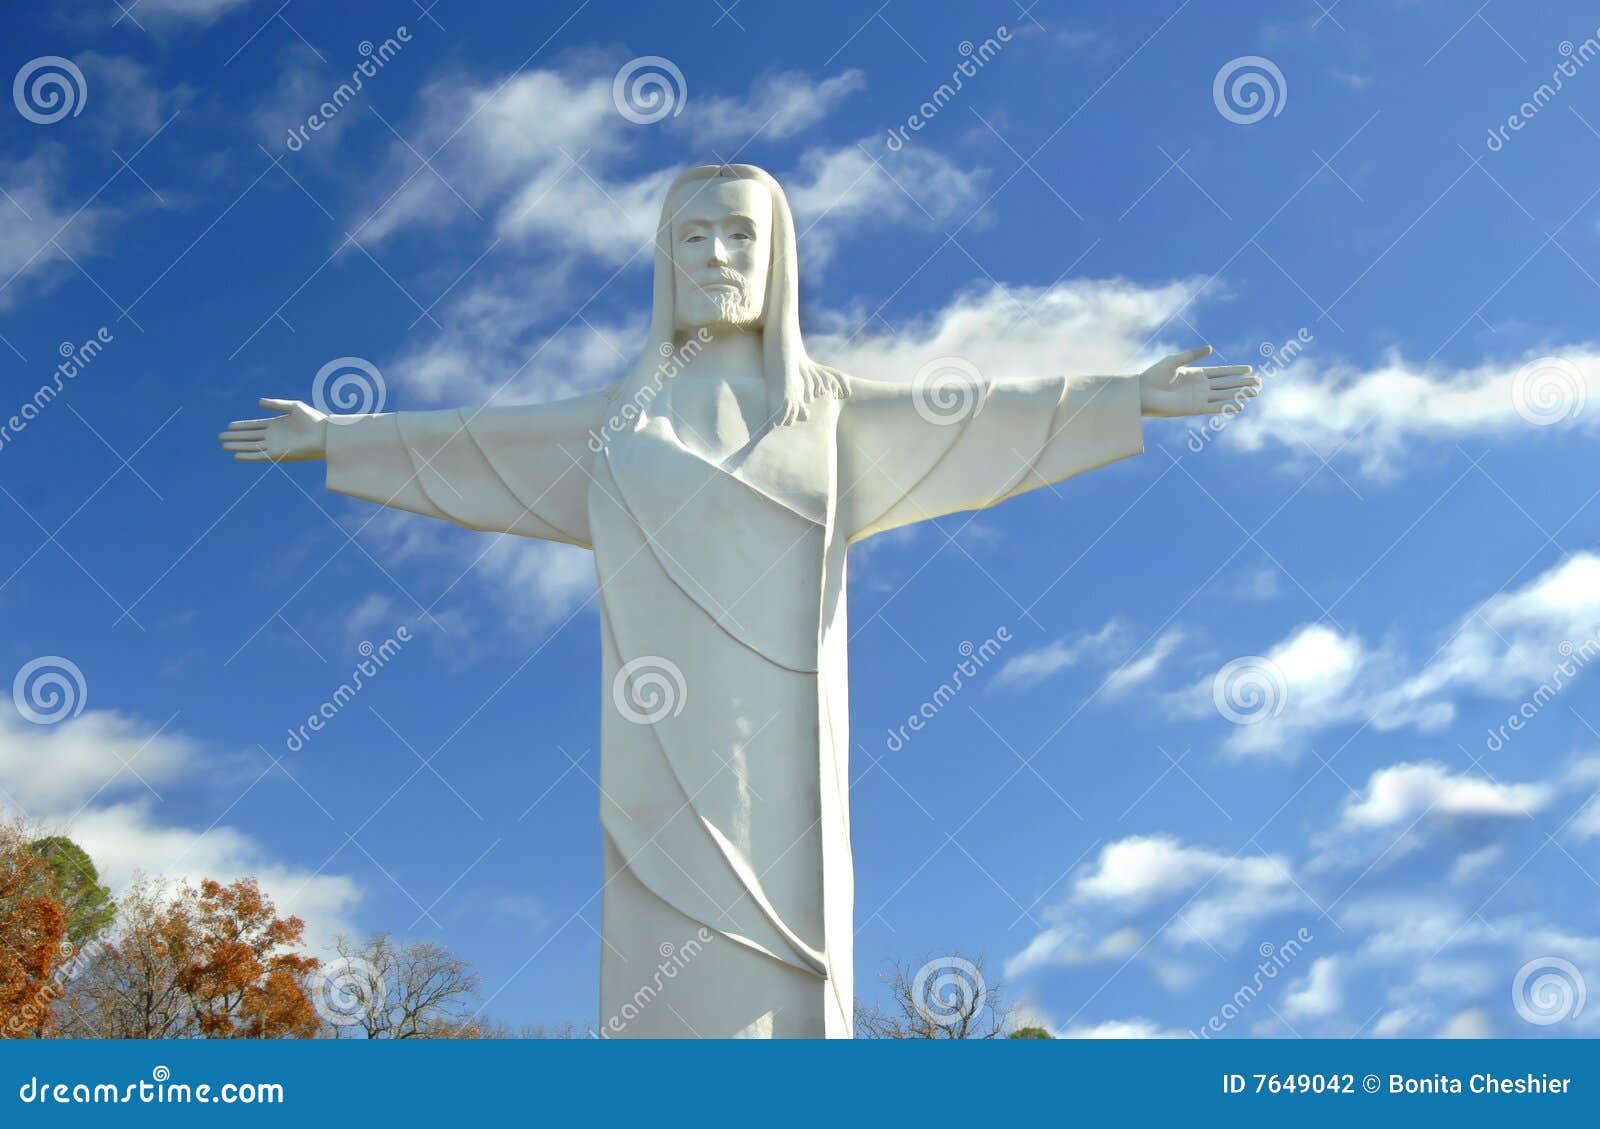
{"x": 1171, "y": 388}
{"x": 299, "y": 434}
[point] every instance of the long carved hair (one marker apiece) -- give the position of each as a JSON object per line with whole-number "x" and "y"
{"x": 793, "y": 378}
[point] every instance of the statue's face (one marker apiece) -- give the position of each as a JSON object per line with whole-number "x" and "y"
{"x": 721, "y": 249}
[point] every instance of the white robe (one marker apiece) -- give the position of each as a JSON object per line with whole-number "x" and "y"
{"x": 728, "y": 897}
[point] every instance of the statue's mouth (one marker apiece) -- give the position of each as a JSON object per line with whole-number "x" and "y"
{"x": 728, "y": 281}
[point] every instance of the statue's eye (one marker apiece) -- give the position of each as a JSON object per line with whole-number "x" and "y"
{"x": 694, "y": 239}
{"x": 741, "y": 235}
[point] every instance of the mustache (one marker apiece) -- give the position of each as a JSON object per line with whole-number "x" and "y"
{"x": 723, "y": 276}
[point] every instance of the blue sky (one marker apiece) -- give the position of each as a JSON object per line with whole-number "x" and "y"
{"x": 1397, "y": 544}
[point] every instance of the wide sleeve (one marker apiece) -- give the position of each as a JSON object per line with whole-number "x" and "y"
{"x": 908, "y": 454}
{"x": 521, "y": 470}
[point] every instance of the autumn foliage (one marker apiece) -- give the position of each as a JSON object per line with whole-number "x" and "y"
{"x": 172, "y": 960}
{"x": 33, "y": 929}
{"x": 212, "y": 962}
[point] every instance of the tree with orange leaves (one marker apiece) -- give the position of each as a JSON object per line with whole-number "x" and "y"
{"x": 33, "y": 928}
{"x": 215, "y": 962}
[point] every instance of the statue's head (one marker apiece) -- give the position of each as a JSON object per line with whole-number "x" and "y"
{"x": 721, "y": 244}
{"x": 725, "y": 259}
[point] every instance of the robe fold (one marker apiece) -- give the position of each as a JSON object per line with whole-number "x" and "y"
{"x": 729, "y": 889}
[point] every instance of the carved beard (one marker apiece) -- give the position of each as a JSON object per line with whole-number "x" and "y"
{"x": 721, "y": 309}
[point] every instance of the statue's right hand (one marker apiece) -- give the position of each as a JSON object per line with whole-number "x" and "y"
{"x": 300, "y": 433}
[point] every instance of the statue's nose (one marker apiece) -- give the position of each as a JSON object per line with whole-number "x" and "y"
{"x": 719, "y": 253}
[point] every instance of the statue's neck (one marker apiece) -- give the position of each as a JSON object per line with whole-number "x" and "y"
{"x": 728, "y": 354}
{"x": 719, "y": 400}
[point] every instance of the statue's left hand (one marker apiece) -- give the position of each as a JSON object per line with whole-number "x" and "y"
{"x": 1170, "y": 388}
{"x": 300, "y": 433}
{"x": 810, "y": 381}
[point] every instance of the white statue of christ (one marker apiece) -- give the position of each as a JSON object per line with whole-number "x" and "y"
{"x": 719, "y": 490}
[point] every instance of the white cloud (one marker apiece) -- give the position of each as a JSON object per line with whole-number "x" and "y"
{"x": 780, "y": 105}
{"x": 1122, "y": 1029}
{"x": 1221, "y": 892}
{"x": 1515, "y": 640}
{"x": 37, "y": 241}
{"x": 1400, "y": 1021}
{"x": 1143, "y": 869}
{"x": 536, "y": 584}
{"x": 1470, "y": 1024}
{"x": 836, "y": 191}
{"x": 1316, "y": 677}
{"x": 1205, "y": 896}
{"x": 1033, "y": 667}
{"x": 1089, "y": 325}
{"x": 1405, "y": 806}
{"x": 1375, "y": 416}
{"x": 1067, "y": 946}
{"x": 91, "y": 778}
{"x": 543, "y": 156}
{"x": 1319, "y": 994}
{"x": 172, "y": 12}
{"x": 54, "y": 768}
{"x": 550, "y": 165}
{"x": 1142, "y": 669}
{"x": 1470, "y": 866}
{"x": 124, "y": 98}
{"x": 1402, "y": 794}
{"x": 1533, "y": 640}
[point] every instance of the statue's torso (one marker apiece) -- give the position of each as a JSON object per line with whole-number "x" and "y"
{"x": 715, "y": 416}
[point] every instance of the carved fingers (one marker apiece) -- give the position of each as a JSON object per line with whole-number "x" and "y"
{"x": 246, "y": 439}
{"x": 298, "y": 433}
{"x": 813, "y": 382}
{"x": 1227, "y": 385}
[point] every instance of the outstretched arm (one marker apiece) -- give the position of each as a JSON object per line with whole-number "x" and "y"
{"x": 910, "y": 452}
{"x": 521, "y": 470}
